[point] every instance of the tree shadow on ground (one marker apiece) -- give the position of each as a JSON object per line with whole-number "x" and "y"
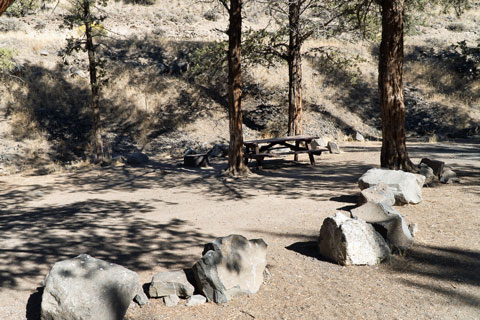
{"x": 115, "y": 231}
{"x": 441, "y": 270}
{"x": 287, "y": 178}
{"x": 282, "y": 177}
{"x": 308, "y": 248}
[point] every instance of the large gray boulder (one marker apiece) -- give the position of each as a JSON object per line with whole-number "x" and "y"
{"x": 85, "y": 288}
{"x": 351, "y": 242}
{"x": 379, "y": 193}
{"x": 407, "y": 187}
{"x": 231, "y": 266}
{"x": 170, "y": 282}
{"x": 396, "y": 229}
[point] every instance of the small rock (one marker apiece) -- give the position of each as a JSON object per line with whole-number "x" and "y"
{"x": 448, "y": 176}
{"x": 266, "y": 275}
{"x": 333, "y": 147}
{"x": 351, "y": 242}
{"x": 141, "y": 298}
{"x": 379, "y": 193}
{"x": 170, "y": 282}
{"x": 196, "y": 300}
{"x": 359, "y": 137}
{"x": 171, "y": 300}
{"x": 137, "y": 159}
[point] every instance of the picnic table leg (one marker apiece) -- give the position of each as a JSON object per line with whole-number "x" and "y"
{"x": 260, "y": 162}
{"x": 247, "y": 153}
{"x": 310, "y": 155}
{"x": 297, "y": 145}
{"x": 259, "y": 159}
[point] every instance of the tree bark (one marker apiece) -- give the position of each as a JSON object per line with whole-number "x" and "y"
{"x": 4, "y": 4}
{"x": 295, "y": 108}
{"x": 236, "y": 163}
{"x": 394, "y": 153}
{"x": 96, "y": 137}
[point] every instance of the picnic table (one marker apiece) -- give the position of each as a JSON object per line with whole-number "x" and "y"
{"x": 265, "y": 148}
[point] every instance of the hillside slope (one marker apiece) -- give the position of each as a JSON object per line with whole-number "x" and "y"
{"x": 153, "y": 104}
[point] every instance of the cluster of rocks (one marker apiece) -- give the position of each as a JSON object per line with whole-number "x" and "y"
{"x": 375, "y": 227}
{"x": 88, "y": 288}
{"x": 435, "y": 171}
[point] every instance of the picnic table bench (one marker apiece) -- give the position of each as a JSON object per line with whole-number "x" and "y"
{"x": 265, "y": 148}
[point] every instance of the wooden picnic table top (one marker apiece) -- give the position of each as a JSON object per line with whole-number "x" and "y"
{"x": 280, "y": 140}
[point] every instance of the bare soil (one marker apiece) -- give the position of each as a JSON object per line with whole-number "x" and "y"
{"x": 158, "y": 217}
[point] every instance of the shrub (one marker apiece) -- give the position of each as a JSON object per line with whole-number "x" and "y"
{"x": 6, "y": 60}
{"x": 211, "y": 15}
{"x": 21, "y": 8}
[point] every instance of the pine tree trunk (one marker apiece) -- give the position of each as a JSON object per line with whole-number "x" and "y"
{"x": 236, "y": 164}
{"x": 295, "y": 108}
{"x": 4, "y": 4}
{"x": 96, "y": 138}
{"x": 394, "y": 153}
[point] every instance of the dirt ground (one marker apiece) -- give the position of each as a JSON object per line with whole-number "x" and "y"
{"x": 158, "y": 217}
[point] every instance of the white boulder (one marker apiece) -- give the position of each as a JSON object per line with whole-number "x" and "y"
{"x": 348, "y": 241}
{"x": 407, "y": 187}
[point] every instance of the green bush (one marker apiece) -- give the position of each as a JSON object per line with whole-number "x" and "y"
{"x": 6, "y": 60}
{"x": 21, "y": 8}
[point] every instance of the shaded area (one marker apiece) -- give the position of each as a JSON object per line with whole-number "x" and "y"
{"x": 447, "y": 72}
{"x": 51, "y": 105}
{"x": 451, "y": 64}
{"x": 34, "y": 305}
{"x": 149, "y": 95}
{"x": 308, "y": 248}
{"x": 287, "y": 178}
{"x": 115, "y": 231}
{"x": 443, "y": 269}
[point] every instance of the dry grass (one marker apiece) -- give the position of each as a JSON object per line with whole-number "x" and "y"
{"x": 143, "y": 104}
